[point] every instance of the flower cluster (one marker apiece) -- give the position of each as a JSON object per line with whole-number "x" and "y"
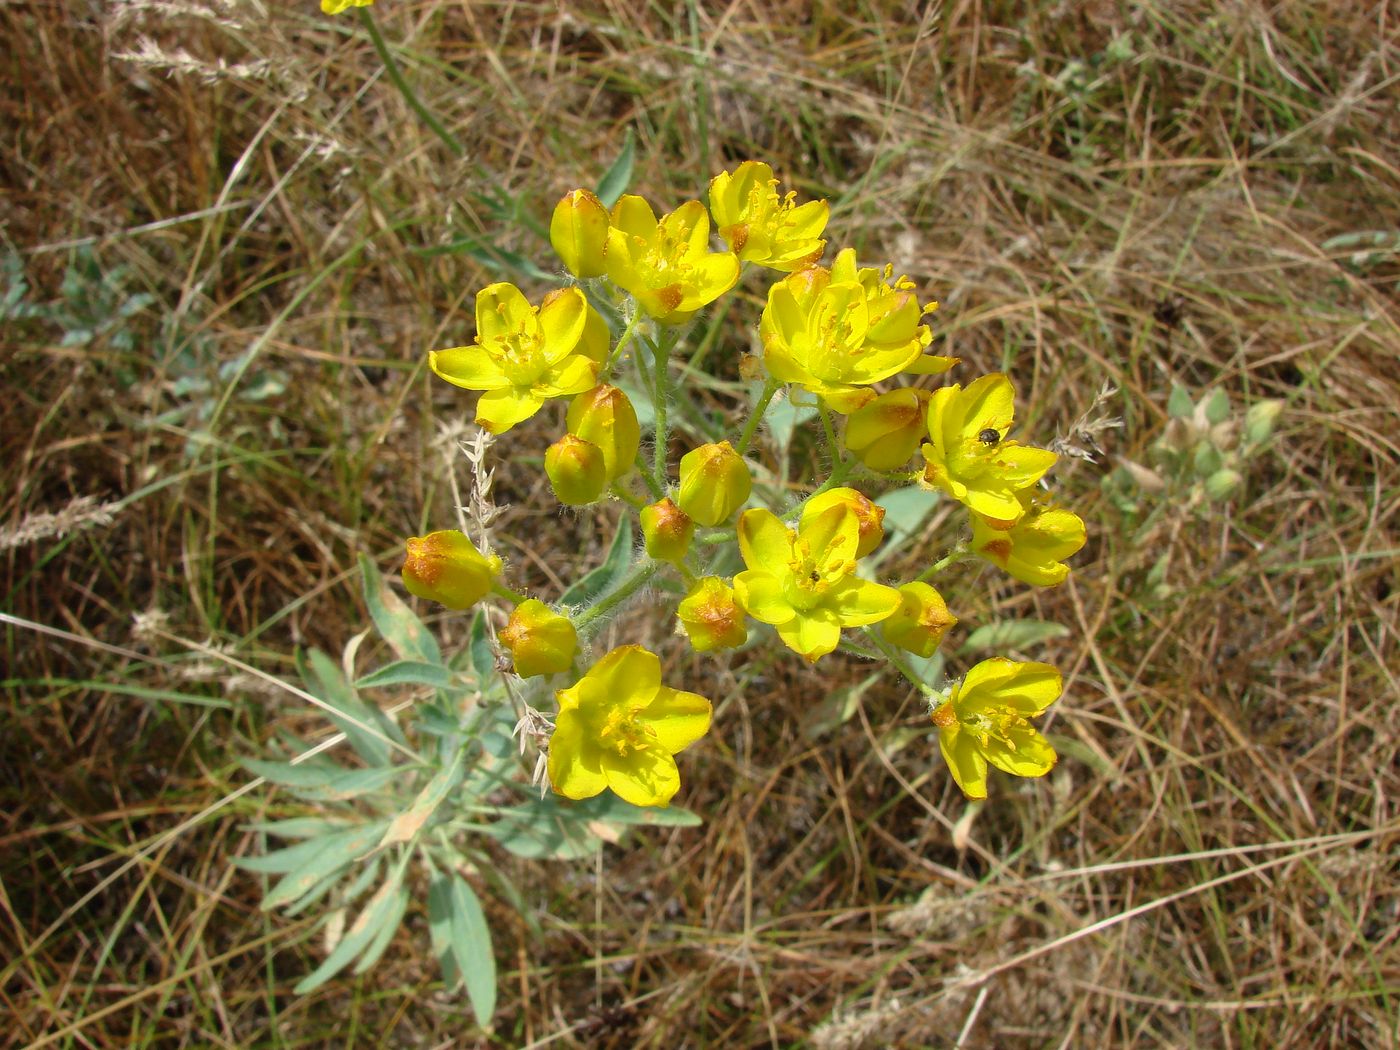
{"x": 851, "y": 342}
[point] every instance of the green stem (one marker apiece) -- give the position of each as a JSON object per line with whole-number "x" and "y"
{"x": 639, "y": 576}
{"x": 896, "y": 657}
{"x": 956, "y": 554}
{"x": 626, "y": 337}
{"x": 392, "y": 68}
{"x": 751, "y": 427}
{"x": 661, "y": 350}
{"x": 505, "y": 592}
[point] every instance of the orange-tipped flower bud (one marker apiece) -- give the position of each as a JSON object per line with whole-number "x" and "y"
{"x": 576, "y": 470}
{"x": 605, "y": 416}
{"x": 885, "y": 432}
{"x": 715, "y": 482}
{"x": 710, "y": 617}
{"x": 579, "y": 232}
{"x": 539, "y": 639}
{"x": 446, "y": 567}
{"x": 666, "y": 530}
{"x": 921, "y": 620}
{"x": 869, "y": 516}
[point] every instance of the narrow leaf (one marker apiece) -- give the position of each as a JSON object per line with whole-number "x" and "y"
{"x": 301, "y": 775}
{"x": 618, "y": 177}
{"x": 440, "y": 929}
{"x": 408, "y": 823}
{"x": 471, "y": 946}
{"x": 326, "y": 680}
{"x": 407, "y": 672}
{"x": 382, "y": 907}
{"x": 606, "y": 576}
{"x": 334, "y": 853}
{"x": 405, "y": 633}
{"x": 906, "y": 510}
{"x": 1012, "y": 634}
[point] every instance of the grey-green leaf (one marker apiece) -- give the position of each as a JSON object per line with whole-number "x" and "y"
{"x": 407, "y": 672}
{"x": 405, "y": 633}
{"x": 1012, "y": 634}
{"x": 385, "y": 906}
{"x": 618, "y": 177}
{"x": 1179, "y": 403}
{"x": 906, "y": 510}
{"x": 330, "y": 854}
{"x": 361, "y": 724}
{"x": 606, "y": 576}
{"x": 471, "y": 947}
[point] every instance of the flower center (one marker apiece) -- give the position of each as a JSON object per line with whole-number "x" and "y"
{"x": 623, "y": 733}
{"x": 518, "y": 353}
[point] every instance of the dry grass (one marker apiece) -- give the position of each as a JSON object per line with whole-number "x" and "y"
{"x": 1214, "y": 862}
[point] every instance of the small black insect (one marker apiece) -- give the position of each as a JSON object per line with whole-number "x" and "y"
{"x": 1168, "y": 312}
{"x": 989, "y": 436}
{"x": 815, "y": 576}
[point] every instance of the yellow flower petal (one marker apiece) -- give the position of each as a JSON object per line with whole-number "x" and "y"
{"x": 1024, "y": 754}
{"x": 562, "y": 318}
{"x": 502, "y": 311}
{"x": 811, "y": 635}
{"x": 575, "y": 767}
{"x": 763, "y": 597}
{"x": 967, "y": 764}
{"x": 676, "y": 718}
{"x": 764, "y": 542}
{"x": 469, "y": 367}
{"x": 644, "y": 777}
{"x": 1026, "y": 688}
{"x": 499, "y": 410}
{"x": 858, "y": 602}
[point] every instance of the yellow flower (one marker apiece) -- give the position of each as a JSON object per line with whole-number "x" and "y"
{"x": 1033, "y": 547}
{"x": 710, "y": 617}
{"x": 969, "y": 455}
{"x": 870, "y": 516}
{"x": 885, "y": 432}
{"x": 921, "y": 620}
{"x": 618, "y": 728}
{"x": 334, "y": 7}
{"x": 540, "y": 640}
{"x": 605, "y": 416}
{"x": 577, "y": 471}
{"x": 714, "y": 483}
{"x": 667, "y": 266}
{"x": 666, "y": 531}
{"x": 759, "y": 226}
{"x": 525, "y": 354}
{"x": 578, "y": 230}
{"x": 803, "y": 583}
{"x": 835, "y": 331}
{"x": 446, "y": 567}
{"x": 985, "y": 719}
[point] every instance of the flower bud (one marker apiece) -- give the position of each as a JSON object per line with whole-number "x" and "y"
{"x": 539, "y": 639}
{"x": 885, "y": 432}
{"x": 579, "y": 232}
{"x": 869, "y": 516}
{"x": 446, "y": 567}
{"x": 1259, "y": 421}
{"x": 576, "y": 470}
{"x": 605, "y": 417}
{"x": 921, "y": 620}
{"x": 1223, "y": 484}
{"x": 666, "y": 530}
{"x": 710, "y": 617}
{"x": 715, "y": 482}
